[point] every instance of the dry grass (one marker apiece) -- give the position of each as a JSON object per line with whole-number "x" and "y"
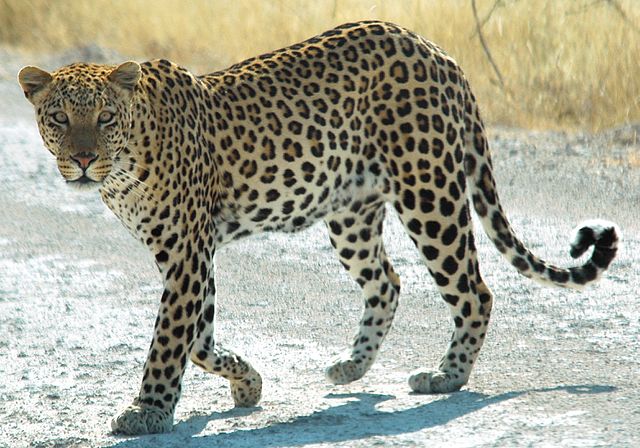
{"x": 566, "y": 63}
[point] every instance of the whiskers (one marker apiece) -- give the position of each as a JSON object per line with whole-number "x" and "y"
{"x": 140, "y": 167}
{"x": 125, "y": 181}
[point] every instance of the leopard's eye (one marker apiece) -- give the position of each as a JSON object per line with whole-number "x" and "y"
{"x": 105, "y": 117}
{"x": 60, "y": 118}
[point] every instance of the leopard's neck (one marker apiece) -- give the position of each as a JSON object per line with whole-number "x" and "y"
{"x": 129, "y": 191}
{"x": 153, "y": 167}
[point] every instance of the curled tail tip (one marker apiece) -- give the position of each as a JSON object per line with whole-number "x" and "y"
{"x": 604, "y": 235}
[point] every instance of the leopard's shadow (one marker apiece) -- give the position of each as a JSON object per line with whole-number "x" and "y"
{"x": 356, "y": 419}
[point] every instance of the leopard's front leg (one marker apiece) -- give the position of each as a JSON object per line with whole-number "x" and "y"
{"x": 245, "y": 381}
{"x": 185, "y": 283}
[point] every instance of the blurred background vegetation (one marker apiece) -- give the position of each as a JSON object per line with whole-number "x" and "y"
{"x": 561, "y": 64}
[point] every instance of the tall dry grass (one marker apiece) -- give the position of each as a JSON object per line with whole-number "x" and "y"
{"x": 566, "y": 63}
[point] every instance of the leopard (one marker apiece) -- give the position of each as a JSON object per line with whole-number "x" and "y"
{"x": 363, "y": 120}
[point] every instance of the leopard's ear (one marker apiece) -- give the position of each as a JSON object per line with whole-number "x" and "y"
{"x": 33, "y": 80}
{"x": 126, "y": 75}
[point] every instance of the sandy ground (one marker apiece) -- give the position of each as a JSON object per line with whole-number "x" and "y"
{"x": 78, "y": 298}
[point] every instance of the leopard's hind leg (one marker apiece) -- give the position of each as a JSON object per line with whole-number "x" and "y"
{"x": 446, "y": 244}
{"x": 356, "y": 235}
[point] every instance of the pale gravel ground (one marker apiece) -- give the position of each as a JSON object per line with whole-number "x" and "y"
{"x": 78, "y": 298}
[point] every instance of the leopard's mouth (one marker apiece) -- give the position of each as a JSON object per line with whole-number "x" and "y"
{"x": 84, "y": 182}
{"x": 84, "y": 179}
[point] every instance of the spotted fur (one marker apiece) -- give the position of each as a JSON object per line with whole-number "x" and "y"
{"x": 331, "y": 128}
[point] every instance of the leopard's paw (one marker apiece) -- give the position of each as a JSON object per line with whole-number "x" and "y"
{"x": 135, "y": 420}
{"x": 247, "y": 391}
{"x": 345, "y": 371}
{"x": 434, "y": 382}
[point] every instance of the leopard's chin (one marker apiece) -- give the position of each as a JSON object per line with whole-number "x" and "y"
{"x": 84, "y": 183}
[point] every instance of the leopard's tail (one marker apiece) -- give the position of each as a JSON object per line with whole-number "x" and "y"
{"x": 602, "y": 235}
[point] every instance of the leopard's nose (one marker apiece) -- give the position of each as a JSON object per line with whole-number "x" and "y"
{"x": 84, "y": 159}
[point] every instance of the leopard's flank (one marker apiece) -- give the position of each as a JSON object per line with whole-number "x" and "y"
{"x": 331, "y": 128}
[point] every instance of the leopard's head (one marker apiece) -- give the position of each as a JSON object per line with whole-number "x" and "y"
{"x": 84, "y": 115}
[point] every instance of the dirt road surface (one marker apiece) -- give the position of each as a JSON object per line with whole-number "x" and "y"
{"x": 78, "y": 298}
